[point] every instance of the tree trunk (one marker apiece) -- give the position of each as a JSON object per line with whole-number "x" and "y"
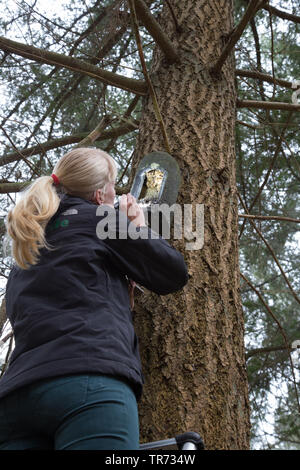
{"x": 192, "y": 342}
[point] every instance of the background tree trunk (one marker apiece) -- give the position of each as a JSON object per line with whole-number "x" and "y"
{"x": 192, "y": 342}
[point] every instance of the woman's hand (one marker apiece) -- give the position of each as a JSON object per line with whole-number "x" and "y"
{"x": 131, "y": 208}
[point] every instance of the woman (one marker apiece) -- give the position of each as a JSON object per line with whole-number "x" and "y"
{"x": 74, "y": 377}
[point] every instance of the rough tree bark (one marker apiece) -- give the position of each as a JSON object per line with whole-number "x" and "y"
{"x": 192, "y": 342}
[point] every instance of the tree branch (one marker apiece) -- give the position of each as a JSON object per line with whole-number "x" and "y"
{"x": 267, "y": 124}
{"x": 63, "y": 141}
{"x": 272, "y": 253}
{"x": 126, "y": 116}
{"x": 268, "y": 105}
{"x": 71, "y": 86}
{"x": 6, "y": 337}
{"x": 84, "y": 139}
{"x": 282, "y": 14}
{"x": 104, "y": 13}
{"x": 263, "y": 77}
{"x": 270, "y": 217}
{"x": 6, "y": 188}
{"x": 281, "y": 329}
{"x": 157, "y": 111}
{"x": 132, "y": 85}
{"x": 177, "y": 26}
{"x": 236, "y": 34}
{"x": 271, "y": 166}
{"x": 95, "y": 134}
{"x": 253, "y": 352}
{"x": 156, "y": 31}
{"x": 21, "y": 156}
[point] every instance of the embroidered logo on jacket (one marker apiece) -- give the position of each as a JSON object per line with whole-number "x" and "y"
{"x": 57, "y": 224}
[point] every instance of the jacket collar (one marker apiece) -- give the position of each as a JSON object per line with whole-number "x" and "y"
{"x": 67, "y": 201}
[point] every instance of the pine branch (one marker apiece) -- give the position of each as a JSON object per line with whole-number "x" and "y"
{"x": 126, "y": 116}
{"x": 281, "y": 14}
{"x": 267, "y": 124}
{"x": 272, "y": 253}
{"x": 132, "y": 85}
{"x": 6, "y": 188}
{"x": 177, "y": 26}
{"x": 236, "y": 34}
{"x": 271, "y": 166}
{"x": 255, "y": 351}
{"x": 156, "y": 107}
{"x": 34, "y": 88}
{"x": 95, "y": 134}
{"x": 91, "y": 28}
{"x": 270, "y": 217}
{"x": 71, "y": 86}
{"x": 281, "y": 329}
{"x": 84, "y": 139}
{"x": 21, "y": 156}
{"x": 156, "y": 31}
{"x": 268, "y": 105}
{"x": 63, "y": 141}
{"x": 267, "y": 308}
{"x": 263, "y": 77}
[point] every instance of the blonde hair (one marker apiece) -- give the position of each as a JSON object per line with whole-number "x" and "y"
{"x": 80, "y": 173}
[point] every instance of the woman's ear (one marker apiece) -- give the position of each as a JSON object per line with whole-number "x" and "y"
{"x": 97, "y": 197}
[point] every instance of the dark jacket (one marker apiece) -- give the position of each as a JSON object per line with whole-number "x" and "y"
{"x": 70, "y": 313}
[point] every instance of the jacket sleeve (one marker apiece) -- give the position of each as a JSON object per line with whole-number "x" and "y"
{"x": 145, "y": 257}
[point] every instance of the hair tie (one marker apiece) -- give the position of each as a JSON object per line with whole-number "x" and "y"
{"x": 55, "y": 179}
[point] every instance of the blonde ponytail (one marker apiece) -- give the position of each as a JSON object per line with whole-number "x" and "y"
{"x": 26, "y": 222}
{"x": 80, "y": 172}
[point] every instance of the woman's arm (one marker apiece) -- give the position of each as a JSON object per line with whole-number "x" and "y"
{"x": 148, "y": 260}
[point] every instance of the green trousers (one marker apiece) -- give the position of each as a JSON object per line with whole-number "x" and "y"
{"x": 79, "y": 412}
